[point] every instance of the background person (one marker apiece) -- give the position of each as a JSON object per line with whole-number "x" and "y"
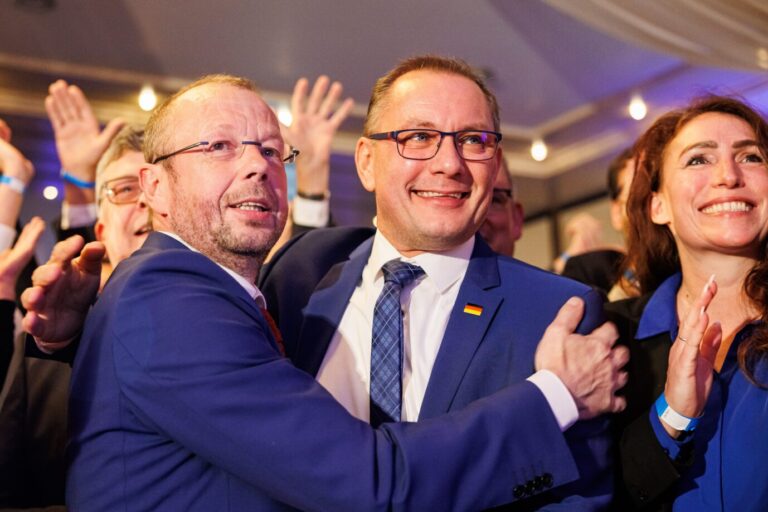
{"x": 503, "y": 225}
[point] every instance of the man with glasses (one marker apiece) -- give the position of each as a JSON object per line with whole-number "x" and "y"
{"x": 471, "y": 319}
{"x": 503, "y": 225}
{"x": 123, "y": 220}
{"x": 180, "y": 399}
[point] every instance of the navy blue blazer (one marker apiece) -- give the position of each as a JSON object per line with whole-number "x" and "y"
{"x": 308, "y": 285}
{"x": 180, "y": 400}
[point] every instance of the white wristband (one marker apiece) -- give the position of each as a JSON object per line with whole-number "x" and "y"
{"x": 14, "y": 183}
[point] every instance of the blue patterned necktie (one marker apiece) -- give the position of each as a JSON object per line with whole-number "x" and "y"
{"x": 387, "y": 343}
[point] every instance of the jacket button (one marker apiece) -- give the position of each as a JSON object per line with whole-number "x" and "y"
{"x": 518, "y": 491}
{"x": 538, "y": 482}
{"x": 547, "y": 480}
{"x": 530, "y": 487}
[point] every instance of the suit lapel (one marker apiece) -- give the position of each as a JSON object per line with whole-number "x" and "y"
{"x": 465, "y": 331}
{"x": 158, "y": 241}
{"x": 326, "y": 306}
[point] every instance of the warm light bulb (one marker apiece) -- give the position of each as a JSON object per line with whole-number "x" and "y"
{"x": 284, "y": 115}
{"x": 539, "y": 150}
{"x": 637, "y": 108}
{"x": 50, "y": 192}
{"x": 147, "y": 98}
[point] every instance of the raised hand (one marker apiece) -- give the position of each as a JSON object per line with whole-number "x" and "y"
{"x": 316, "y": 119}
{"x": 692, "y": 359}
{"x": 79, "y": 140}
{"x": 20, "y": 171}
{"x": 589, "y": 365}
{"x": 62, "y": 291}
{"x": 13, "y": 261}
{"x": 12, "y": 162}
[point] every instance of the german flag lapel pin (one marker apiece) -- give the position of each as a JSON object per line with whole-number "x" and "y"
{"x": 473, "y": 309}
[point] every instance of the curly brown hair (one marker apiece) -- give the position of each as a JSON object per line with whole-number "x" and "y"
{"x": 651, "y": 247}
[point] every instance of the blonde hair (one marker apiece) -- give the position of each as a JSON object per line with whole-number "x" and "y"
{"x": 129, "y": 138}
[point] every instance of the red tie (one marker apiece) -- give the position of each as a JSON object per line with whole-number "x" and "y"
{"x": 274, "y": 329}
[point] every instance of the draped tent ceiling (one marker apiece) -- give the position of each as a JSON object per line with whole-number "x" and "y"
{"x": 728, "y": 34}
{"x": 562, "y": 69}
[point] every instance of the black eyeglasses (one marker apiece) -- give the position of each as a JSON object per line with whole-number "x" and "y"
{"x": 423, "y": 144}
{"x": 123, "y": 190}
{"x": 230, "y": 150}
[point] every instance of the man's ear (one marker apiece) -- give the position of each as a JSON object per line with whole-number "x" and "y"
{"x": 98, "y": 230}
{"x": 364, "y": 163}
{"x": 153, "y": 180}
{"x": 659, "y": 209}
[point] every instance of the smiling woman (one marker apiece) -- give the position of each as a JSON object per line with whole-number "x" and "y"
{"x": 698, "y": 212}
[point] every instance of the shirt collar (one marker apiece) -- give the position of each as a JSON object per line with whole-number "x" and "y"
{"x": 249, "y": 287}
{"x": 660, "y": 314}
{"x": 443, "y": 268}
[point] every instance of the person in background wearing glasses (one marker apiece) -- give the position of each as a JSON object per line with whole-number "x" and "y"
{"x": 124, "y": 220}
{"x": 472, "y": 320}
{"x": 503, "y": 225}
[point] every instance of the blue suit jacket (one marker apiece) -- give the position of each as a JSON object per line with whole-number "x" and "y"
{"x": 308, "y": 286}
{"x": 180, "y": 401}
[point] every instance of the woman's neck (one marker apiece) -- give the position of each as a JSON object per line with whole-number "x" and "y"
{"x": 730, "y": 306}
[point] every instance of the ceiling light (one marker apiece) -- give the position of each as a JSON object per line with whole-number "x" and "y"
{"x": 284, "y": 115}
{"x": 147, "y": 98}
{"x": 50, "y": 192}
{"x": 539, "y": 150}
{"x": 637, "y": 108}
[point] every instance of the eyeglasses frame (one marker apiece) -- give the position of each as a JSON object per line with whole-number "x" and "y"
{"x": 286, "y": 160}
{"x": 393, "y": 137}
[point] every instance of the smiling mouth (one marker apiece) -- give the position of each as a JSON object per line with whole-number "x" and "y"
{"x": 429, "y": 194}
{"x": 728, "y": 207}
{"x": 250, "y": 206}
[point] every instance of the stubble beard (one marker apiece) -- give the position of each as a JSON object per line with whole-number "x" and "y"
{"x": 205, "y": 230}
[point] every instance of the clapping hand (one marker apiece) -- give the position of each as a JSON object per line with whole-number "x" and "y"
{"x": 62, "y": 292}
{"x": 692, "y": 359}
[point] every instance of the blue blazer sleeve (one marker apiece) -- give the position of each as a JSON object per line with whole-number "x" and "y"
{"x": 196, "y": 366}
{"x": 589, "y": 441}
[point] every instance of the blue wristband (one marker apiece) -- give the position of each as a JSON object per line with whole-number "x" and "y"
{"x": 77, "y": 181}
{"x": 13, "y": 183}
{"x": 673, "y": 418}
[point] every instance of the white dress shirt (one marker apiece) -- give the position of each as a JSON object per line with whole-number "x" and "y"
{"x": 427, "y": 305}
{"x": 78, "y": 215}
